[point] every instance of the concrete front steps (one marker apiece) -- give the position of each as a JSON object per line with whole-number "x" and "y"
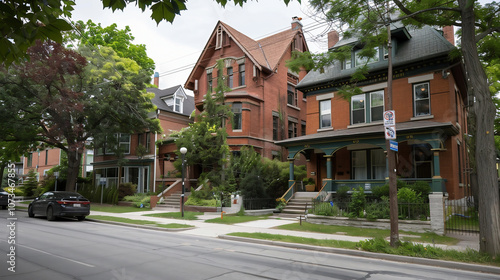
{"x": 298, "y": 205}
{"x": 172, "y": 201}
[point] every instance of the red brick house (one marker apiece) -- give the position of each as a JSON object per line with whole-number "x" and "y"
{"x": 264, "y": 99}
{"x": 147, "y": 166}
{"x": 345, "y": 142}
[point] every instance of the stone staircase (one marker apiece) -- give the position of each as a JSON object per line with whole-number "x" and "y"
{"x": 172, "y": 201}
{"x": 298, "y": 205}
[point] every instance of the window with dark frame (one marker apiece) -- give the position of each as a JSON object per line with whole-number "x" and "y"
{"x": 230, "y": 77}
{"x": 241, "y": 74}
{"x": 275, "y": 127}
{"x": 236, "y": 108}
{"x": 292, "y": 129}
{"x": 209, "y": 82}
{"x": 374, "y": 101}
{"x": 303, "y": 128}
{"x": 291, "y": 95}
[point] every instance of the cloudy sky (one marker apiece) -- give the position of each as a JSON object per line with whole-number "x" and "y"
{"x": 176, "y": 47}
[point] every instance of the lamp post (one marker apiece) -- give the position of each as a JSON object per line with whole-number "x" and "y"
{"x": 183, "y": 151}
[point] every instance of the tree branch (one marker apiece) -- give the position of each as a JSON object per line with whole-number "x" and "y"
{"x": 414, "y": 15}
{"x": 487, "y": 32}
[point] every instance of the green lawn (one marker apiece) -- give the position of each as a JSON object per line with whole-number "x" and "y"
{"x": 380, "y": 245}
{"x": 177, "y": 215}
{"x": 300, "y": 240}
{"x": 235, "y": 219}
{"x": 137, "y": 222}
{"x": 371, "y": 233}
{"x": 115, "y": 208}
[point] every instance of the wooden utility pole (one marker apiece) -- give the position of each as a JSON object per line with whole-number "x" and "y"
{"x": 391, "y": 155}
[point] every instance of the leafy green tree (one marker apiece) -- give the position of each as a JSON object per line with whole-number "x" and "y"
{"x": 91, "y": 34}
{"x": 206, "y": 139}
{"x": 22, "y": 22}
{"x": 64, "y": 99}
{"x": 478, "y": 24}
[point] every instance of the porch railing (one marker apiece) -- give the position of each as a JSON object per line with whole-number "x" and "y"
{"x": 290, "y": 192}
{"x": 322, "y": 194}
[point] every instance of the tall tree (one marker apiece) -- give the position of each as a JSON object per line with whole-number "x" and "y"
{"x": 120, "y": 40}
{"x": 64, "y": 99}
{"x": 206, "y": 139}
{"x": 477, "y": 24}
{"x": 22, "y": 22}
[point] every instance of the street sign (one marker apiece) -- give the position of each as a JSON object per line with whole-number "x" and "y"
{"x": 390, "y": 132}
{"x": 390, "y": 118}
{"x": 393, "y": 145}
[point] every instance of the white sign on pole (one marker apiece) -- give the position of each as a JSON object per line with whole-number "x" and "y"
{"x": 390, "y": 132}
{"x": 390, "y": 118}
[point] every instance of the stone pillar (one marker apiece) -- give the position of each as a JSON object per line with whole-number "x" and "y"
{"x": 436, "y": 206}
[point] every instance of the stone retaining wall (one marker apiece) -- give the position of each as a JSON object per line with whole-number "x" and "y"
{"x": 406, "y": 225}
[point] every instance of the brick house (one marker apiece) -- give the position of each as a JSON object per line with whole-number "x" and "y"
{"x": 345, "y": 143}
{"x": 264, "y": 99}
{"x": 146, "y": 166}
{"x": 41, "y": 161}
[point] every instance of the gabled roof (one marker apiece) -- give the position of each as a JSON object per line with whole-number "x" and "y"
{"x": 422, "y": 44}
{"x": 162, "y": 94}
{"x": 265, "y": 53}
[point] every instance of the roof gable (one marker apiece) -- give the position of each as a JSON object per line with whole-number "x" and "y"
{"x": 265, "y": 53}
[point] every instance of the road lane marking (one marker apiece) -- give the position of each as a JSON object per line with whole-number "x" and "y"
{"x": 50, "y": 254}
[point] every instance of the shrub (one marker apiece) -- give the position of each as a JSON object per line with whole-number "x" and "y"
{"x": 407, "y": 195}
{"x": 325, "y": 209}
{"x": 378, "y": 210}
{"x": 309, "y": 181}
{"x": 138, "y": 200}
{"x": 126, "y": 189}
{"x": 357, "y": 204}
{"x": 30, "y": 187}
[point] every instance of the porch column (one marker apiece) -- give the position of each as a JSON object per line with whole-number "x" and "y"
{"x": 329, "y": 176}
{"x": 292, "y": 178}
{"x": 437, "y": 180}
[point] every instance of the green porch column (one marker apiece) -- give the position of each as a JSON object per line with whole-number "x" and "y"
{"x": 329, "y": 176}
{"x": 437, "y": 180}
{"x": 291, "y": 181}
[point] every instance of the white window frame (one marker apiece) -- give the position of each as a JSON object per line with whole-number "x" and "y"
{"x": 324, "y": 112}
{"x": 415, "y": 100}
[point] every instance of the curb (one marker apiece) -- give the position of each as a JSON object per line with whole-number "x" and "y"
{"x": 387, "y": 257}
{"x": 138, "y": 226}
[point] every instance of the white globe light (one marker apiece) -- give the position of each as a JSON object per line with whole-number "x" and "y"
{"x": 184, "y": 150}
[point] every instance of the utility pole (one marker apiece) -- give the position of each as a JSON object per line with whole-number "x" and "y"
{"x": 391, "y": 155}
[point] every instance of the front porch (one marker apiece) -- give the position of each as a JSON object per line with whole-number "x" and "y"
{"x": 356, "y": 157}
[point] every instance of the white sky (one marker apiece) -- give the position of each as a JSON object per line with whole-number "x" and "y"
{"x": 176, "y": 47}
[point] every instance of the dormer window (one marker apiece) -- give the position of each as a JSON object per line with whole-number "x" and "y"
{"x": 178, "y": 105}
{"x": 359, "y": 60}
{"x": 169, "y": 101}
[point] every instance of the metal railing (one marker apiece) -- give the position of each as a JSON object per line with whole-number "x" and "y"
{"x": 259, "y": 203}
{"x": 289, "y": 193}
{"x": 462, "y": 216}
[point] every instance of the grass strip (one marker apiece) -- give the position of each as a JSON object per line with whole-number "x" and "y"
{"x": 188, "y": 215}
{"x": 236, "y": 219}
{"x": 137, "y": 222}
{"x": 300, "y": 240}
{"x": 370, "y": 232}
{"x": 116, "y": 208}
{"x": 379, "y": 245}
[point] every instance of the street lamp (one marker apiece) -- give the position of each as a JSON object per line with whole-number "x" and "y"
{"x": 183, "y": 151}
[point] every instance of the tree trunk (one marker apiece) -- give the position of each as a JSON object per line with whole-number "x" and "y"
{"x": 3, "y": 165}
{"x": 74, "y": 159}
{"x": 485, "y": 156}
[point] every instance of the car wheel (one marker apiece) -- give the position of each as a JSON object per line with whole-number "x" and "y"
{"x": 50, "y": 214}
{"x": 80, "y": 218}
{"x": 30, "y": 212}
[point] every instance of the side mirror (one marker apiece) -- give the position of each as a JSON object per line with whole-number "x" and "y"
{"x": 37, "y": 198}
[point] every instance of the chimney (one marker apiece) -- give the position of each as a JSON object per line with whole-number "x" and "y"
{"x": 296, "y": 24}
{"x": 156, "y": 80}
{"x": 333, "y": 38}
{"x": 449, "y": 34}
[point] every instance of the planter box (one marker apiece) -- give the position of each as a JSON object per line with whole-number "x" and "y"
{"x": 407, "y": 225}
{"x": 310, "y": 188}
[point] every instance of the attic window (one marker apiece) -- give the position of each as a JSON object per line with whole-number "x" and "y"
{"x": 221, "y": 38}
{"x": 169, "y": 101}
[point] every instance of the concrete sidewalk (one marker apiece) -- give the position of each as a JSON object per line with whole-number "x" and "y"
{"x": 201, "y": 228}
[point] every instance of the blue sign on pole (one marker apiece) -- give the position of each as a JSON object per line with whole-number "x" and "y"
{"x": 393, "y": 145}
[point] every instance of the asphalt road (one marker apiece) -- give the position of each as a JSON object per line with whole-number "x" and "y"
{"x": 68, "y": 249}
